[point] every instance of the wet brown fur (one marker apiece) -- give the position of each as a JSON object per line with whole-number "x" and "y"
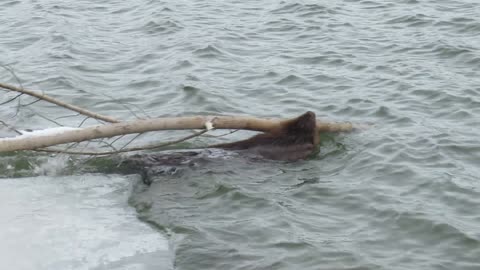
{"x": 294, "y": 139}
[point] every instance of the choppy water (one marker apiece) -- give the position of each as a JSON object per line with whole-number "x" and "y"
{"x": 404, "y": 194}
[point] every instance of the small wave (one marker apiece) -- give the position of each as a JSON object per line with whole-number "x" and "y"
{"x": 460, "y": 114}
{"x": 9, "y": 3}
{"x": 57, "y": 82}
{"x": 450, "y": 51}
{"x": 161, "y": 27}
{"x": 219, "y": 191}
{"x": 288, "y": 9}
{"x": 462, "y": 25}
{"x": 327, "y": 58}
{"x": 210, "y": 51}
{"x": 324, "y": 78}
{"x": 411, "y": 20}
{"x": 376, "y": 5}
{"x": 183, "y": 64}
{"x": 314, "y": 60}
{"x": 303, "y": 10}
{"x": 421, "y": 157}
{"x": 282, "y": 26}
{"x": 451, "y": 105}
{"x": 440, "y": 232}
{"x": 471, "y": 149}
{"x": 444, "y": 51}
{"x": 122, "y": 10}
{"x": 191, "y": 90}
{"x": 291, "y": 80}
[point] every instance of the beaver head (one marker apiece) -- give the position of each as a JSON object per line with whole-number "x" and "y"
{"x": 292, "y": 140}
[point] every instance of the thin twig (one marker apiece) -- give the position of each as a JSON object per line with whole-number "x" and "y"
{"x": 12, "y": 99}
{"x": 46, "y": 118}
{"x": 67, "y": 116}
{"x": 59, "y": 103}
{"x": 221, "y": 135}
{"x": 12, "y": 72}
{"x": 103, "y": 142}
{"x": 147, "y": 147}
{"x": 33, "y": 102}
{"x": 118, "y": 138}
{"x": 124, "y": 104}
{"x": 83, "y": 121}
{"x": 19, "y": 105}
{"x": 129, "y": 142}
{"x": 72, "y": 145}
{"x": 108, "y": 145}
{"x": 11, "y": 127}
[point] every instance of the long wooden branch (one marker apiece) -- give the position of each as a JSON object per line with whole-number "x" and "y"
{"x": 59, "y": 103}
{"x": 124, "y": 150}
{"x": 27, "y": 142}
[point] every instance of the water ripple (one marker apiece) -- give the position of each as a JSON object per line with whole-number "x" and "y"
{"x": 401, "y": 194}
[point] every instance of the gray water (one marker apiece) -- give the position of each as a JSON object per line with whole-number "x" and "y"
{"x": 402, "y": 194}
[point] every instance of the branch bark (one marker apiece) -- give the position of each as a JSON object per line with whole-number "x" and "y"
{"x": 27, "y": 142}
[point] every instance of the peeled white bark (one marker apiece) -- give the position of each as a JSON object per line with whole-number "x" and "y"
{"x": 140, "y": 126}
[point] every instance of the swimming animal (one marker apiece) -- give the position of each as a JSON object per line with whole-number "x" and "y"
{"x": 292, "y": 140}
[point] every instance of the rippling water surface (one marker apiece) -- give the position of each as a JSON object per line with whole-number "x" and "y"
{"x": 404, "y": 194}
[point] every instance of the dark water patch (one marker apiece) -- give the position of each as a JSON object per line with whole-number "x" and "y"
{"x": 416, "y": 20}
{"x": 325, "y": 58}
{"x": 447, "y": 100}
{"x": 123, "y": 10}
{"x": 92, "y": 69}
{"x": 440, "y": 233}
{"x": 324, "y": 78}
{"x": 310, "y": 193}
{"x": 469, "y": 28}
{"x": 456, "y": 25}
{"x": 354, "y": 110}
{"x": 22, "y": 43}
{"x": 428, "y": 94}
{"x": 291, "y": 80}
{"x": 210, "y": 52}
{"x": 379, "y": 82}
{"x": 375, "y": 5}
{"x": 10, "y": 3}
{"x": 304, "y": 10}
{"x": 442, "y": 50}
{"x": 55, "y": 82}
{"x": 472, "y": 60}
{"x": 161, "y": 27}
{"x": 424, "y": 159}
{"x": 467, "y": 149}
{"x": 459, "y": 192}
{"x": 219, "y": 191}
{"x": 189, "y": 90}
{"x": 270, "y": 75}
{"x": 455, "y": 115}
{"x": 287, "y": 9}
{"x": 281, "y": 26}
{"x": 184, "y": 64}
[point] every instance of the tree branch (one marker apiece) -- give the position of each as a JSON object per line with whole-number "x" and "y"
{"x": 124, "y": 150}
{"x": 32, "y": 142}
{"x": 59, "y": 103}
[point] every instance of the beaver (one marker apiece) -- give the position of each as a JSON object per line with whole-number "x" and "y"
{"x": 292, "y": 140}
